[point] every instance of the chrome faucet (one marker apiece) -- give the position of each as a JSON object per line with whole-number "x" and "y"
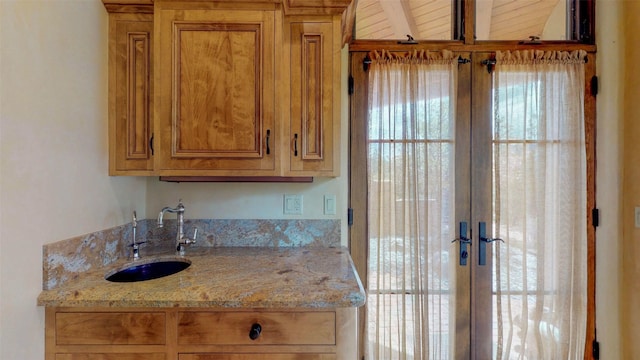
{"x": 135, "y": 245}
{"x": 181, "y": 239}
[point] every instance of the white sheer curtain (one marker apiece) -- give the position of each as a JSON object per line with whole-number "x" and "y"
{"x": 539, "y": 205}
{"x": 411, "y": 205}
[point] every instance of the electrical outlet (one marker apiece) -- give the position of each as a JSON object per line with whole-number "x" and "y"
{"x": 293, "y": 204}
{"x": 637, "y": 217}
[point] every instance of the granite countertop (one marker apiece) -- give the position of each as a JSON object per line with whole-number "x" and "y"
{"x": 226, "y": 277}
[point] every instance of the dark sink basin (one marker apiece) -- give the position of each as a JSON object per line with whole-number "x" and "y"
{"x": 148, "y": 270}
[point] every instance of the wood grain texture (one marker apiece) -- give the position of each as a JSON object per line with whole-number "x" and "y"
{"x": 590, "y": 144}
{"x": 130, "y": 94}
{"x": 315, "y": 7}
{"x": 219, "y": 72}
{"x": 296, "y": 334}
{"x": 481, "y": 314}
{"x": 110, "y": 328}
{"x": 108, "y": 356}
{"x": 358, "y": 176}
{"x": 129, "y": 6}
{"x": 232, "y": 328}
{"x": 196, "y": 88}
{"x": 462, "y": 211}
{"x": 218, "y": 90}
{"x": 254, "y": 356}
{"x": 314, "y": 96}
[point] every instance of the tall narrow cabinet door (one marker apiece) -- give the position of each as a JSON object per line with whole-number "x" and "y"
{"x": 216, "y": 93}
{"x": 130, "y": 94}
{"x": 314, "y": 132}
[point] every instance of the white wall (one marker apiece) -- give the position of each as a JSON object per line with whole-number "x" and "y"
{"x": 53, "y": 151}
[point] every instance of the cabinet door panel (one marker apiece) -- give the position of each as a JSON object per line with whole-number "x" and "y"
{"x": 110, "y": 328}
{"x": 130, "y": 93}
{"x": 110, "y": 356}
{"x": 216, "y": 115}
{"x": 314, "y": 105}
{"x": 221, "y": 89}
{"x": 257, "y": 357}
{"x": 233, "y": 328}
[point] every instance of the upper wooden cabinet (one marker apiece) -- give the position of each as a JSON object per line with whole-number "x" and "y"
{"x": 130, "y": 94}
{"x": 221, "y": 88}
{"x": 216, "y": 92}
{"x": 314, "y": 112}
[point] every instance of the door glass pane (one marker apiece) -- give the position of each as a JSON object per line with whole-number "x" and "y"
{"x": 518, "y": 20}
{"x": 411, "y": 213}
{"x": 395, "y": 19}
{"x": 539, "y": 203}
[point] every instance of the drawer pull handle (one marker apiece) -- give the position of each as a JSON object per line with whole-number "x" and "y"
{"x": 255, "y": 331}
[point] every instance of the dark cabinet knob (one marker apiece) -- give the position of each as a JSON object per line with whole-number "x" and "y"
{"x": 255, "y": 331}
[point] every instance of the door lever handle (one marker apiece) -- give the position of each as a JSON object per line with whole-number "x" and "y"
{"x": 490, "y": 240}
{"x": 464, "y": 242}
{"x": 484, "y": 240}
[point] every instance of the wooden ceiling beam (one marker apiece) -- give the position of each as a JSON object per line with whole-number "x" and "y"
{"x": 399, "y": 15}
{"x": 484, "y": 14}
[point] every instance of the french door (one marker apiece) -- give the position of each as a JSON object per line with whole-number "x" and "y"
{"x": 479, "y": 308}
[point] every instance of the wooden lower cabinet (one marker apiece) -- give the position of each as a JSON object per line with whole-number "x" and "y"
{"x": 116, "y": 356}
{"x": 257, "y": 356}
{"x": 199, "y": 334}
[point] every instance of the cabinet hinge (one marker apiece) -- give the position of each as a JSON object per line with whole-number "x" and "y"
{"x": 351, "y": 85}
{"x": 595, "y": 217}
{"x": 595, "y": 349}
{"x": 594, "y": 85}
{"x": 350, "y": 216}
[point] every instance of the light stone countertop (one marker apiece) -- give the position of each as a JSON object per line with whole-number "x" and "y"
{"x": 226, "y": 277}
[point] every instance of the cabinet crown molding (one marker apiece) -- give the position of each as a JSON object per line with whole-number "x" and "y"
{"x": 291, "y": 7}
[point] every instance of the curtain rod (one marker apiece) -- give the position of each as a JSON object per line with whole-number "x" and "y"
{"x": 491, "y": 63}
{"x": 367, "y": 62}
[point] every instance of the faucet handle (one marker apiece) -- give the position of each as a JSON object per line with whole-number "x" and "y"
{"x": 186, "y": 241}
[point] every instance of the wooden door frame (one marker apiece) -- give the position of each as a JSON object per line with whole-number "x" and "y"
{"x": 358, "y": 234}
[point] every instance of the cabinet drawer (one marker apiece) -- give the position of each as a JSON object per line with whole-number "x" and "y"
{"x": 257, "y": 357}
{"x": 277, "y": 328}
{"x": 110, "y": 356}
{"x": 136, "y": 328}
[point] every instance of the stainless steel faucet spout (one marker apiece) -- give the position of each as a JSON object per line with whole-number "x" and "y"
{"x": 181, "y": 240}
{"x": 135, "y": 246}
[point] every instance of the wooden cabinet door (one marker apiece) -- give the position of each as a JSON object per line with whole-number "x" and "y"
{"x": 216, "y": 92}
{"x": 314, "y": 131}
{"x": 130, "y": 94}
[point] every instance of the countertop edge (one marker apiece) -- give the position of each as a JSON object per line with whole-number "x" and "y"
{"x": 345, "y": 292}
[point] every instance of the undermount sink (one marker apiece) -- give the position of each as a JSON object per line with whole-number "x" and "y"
{"x": 148, "y": 270}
